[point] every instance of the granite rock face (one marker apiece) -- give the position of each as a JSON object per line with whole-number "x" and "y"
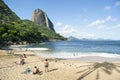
{"x": 41, "y": 18}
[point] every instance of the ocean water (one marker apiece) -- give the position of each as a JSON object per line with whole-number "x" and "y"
{"x": 76, "y": 49}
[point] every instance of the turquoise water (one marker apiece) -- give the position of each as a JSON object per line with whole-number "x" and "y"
{"x": 71, "y": 49}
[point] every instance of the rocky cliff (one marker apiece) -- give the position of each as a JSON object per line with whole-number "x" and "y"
{"x": 42, "y": 19}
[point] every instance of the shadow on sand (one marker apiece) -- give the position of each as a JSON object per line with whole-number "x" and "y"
{"x": 105, "y": 66}
{"x": 53, "y": 69}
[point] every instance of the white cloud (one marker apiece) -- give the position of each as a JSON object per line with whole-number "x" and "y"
{"x": 109, "y": 18}
{"x": 101, "y": 26}
{"x": 117, "y": 26}
{"x": 67, "y": 30}
{"x": 97, "y": 22}
{"x": 77, "y": 34}
{"x": 101, "y": 23}
{"x": 84, "y": 35}
{"x": 117, "y": 3}
{"x": 59, "y": 24}
{"x": 107, "y": 8}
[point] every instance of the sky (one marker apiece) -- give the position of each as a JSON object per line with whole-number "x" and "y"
{"x": 92, "y": 19}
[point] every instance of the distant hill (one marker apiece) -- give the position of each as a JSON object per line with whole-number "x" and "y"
{"x": 71, "y": 38}
{"x": 14, "y": 30}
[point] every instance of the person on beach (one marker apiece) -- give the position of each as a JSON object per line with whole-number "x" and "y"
{"x": 27, "y": 70}
{"x": 46, "y": 65}
{"x": 36, "y": 70}
{"x": 73, "y": 54}
{"x": 24, "y": 55}
{"x": 21, "y": 61}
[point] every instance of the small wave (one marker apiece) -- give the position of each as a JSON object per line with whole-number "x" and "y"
{"x": 79, "y": 55}
{"x": 107, "y": 55}
{"x": 37, "y": 49}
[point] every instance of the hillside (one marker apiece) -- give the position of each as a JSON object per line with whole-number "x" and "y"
{"x": 71, "y": 38}
{"x": 6, "y": 15}
{"x": 14, "y": 30}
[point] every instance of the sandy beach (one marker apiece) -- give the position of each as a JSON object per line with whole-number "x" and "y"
{"x": 59, "y": 69}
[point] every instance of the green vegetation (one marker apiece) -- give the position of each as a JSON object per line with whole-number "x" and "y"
{"x": 14, "y": 30}
{"x": 26, "y": 31}
{"x": 6, "y": 15}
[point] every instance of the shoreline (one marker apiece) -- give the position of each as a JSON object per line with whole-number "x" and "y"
{"x": 30, "y": 51}
{"x": 89, "y": 57}
{"x": 96, "y": 59}
{"x": 73, "y": 69}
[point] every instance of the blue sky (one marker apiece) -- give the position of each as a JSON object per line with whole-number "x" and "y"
{"x": 91, "y": 19}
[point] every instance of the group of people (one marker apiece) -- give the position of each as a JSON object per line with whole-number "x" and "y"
{"x": 36, "y": 69}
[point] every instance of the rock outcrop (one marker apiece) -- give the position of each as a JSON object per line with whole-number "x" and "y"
{"x": 42, "y": 19}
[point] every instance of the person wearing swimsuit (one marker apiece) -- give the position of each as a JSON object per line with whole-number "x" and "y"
{"x": 46, "y": 65}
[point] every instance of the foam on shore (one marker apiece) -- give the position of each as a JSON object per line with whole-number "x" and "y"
{"x": 78, "y": 55}
{"x": 37, "y": 49}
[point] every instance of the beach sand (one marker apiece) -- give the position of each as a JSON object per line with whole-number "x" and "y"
{"x": 59, "y": 69}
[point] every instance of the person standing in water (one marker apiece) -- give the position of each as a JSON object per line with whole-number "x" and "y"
{"x": 46, "y": 65}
